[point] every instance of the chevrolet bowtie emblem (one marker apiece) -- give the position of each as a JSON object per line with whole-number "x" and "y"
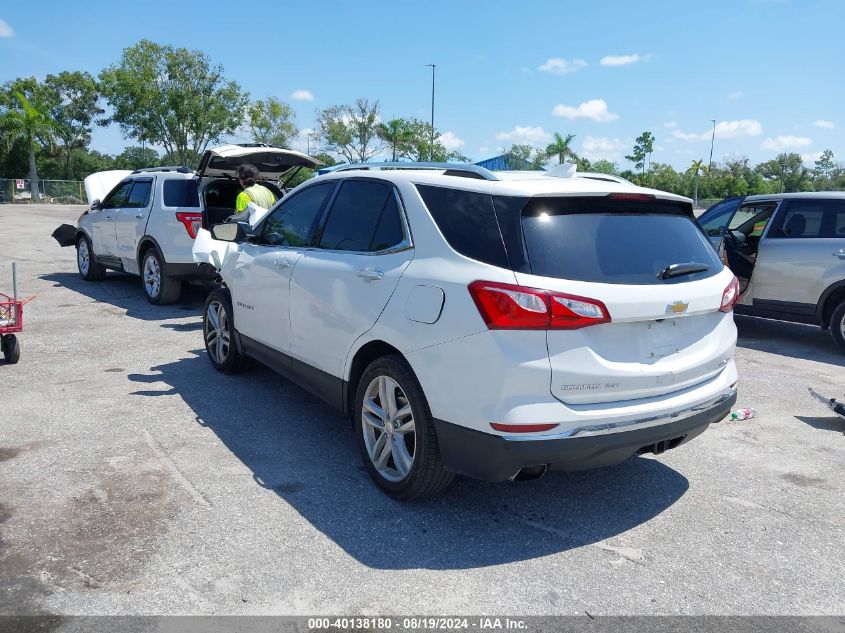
{"x": 679, "y": 307}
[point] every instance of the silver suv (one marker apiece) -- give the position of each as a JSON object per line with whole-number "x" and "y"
{"x": 788, "y": 251}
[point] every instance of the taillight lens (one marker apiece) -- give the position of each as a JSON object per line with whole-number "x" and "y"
{"x": 512, "y": 307}
{"x": 731, "y": 296}
{"x": 522, "y": 428}
{"x": 191, "y": 220}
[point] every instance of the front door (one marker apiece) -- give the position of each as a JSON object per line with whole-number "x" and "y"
{"x": 104, "y": 239}
{"x": 131, "y": 222}
{"x": 340, "y": 288}
{"x": 260, "y": 279}
{"x": 801, "y": 254}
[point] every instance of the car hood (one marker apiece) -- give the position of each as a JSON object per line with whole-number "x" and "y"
{"x": 272, "y": 162}
{"x": 98, "y": 184}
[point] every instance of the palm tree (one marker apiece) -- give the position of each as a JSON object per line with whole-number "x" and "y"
{"x": 561, "y": 148}
{"x": 697, "y": 167}
{"x": 29, "y": 123}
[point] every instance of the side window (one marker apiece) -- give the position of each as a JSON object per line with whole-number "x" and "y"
{"x": 354, "y": 215}
{"x": 180, "y": 193}
{"x": 751, "y": 220}
{"x": 292, "y": 221}
{"x": 718, "y": 216}
{"x": 139, "y": 197}
{"x": 118, "y": 196}
{"x": 468, "y": 222}
{"x": 810, "y": 219}
{"x": 389, "y": 232}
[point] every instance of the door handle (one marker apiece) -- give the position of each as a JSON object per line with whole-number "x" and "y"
{"x": 109, "y": 217}
{"x": 139, "y": 216}
{"x": 281, "y": 263}
{"x": 370, "y": 274}
{"x": 840, "y": 253}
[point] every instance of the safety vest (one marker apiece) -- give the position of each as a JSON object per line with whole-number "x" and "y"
{"x": 256, "y": 193}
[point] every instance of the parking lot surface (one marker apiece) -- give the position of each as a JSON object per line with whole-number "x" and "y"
{"x": 136, "y": 479}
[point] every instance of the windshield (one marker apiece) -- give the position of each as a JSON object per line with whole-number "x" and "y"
{"x": 603, "y": 240}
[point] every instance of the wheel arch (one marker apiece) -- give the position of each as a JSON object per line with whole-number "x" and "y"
{"x": 144, "y": 244}
{"x": 833, "y": 295}
{"x": 360, "y": 360}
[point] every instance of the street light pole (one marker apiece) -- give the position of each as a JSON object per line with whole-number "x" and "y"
{"x": 431, "y": 149}
{"x": 712, "y": 140}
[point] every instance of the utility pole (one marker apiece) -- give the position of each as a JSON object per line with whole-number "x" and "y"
{"x": 712, "y": 140}
{"x": 431, "y": 148}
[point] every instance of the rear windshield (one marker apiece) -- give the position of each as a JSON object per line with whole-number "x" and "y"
{"x": 180, "y": 193}
{"x": 614, "y": 241}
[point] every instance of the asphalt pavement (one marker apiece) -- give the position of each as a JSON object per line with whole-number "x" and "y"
{"x": 134, "y": 479}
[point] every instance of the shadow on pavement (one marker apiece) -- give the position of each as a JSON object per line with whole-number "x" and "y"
{"x": 125, "y": 292}
{"x": 830, "y": 423}
{"x": 788, "y": 339}
{"x": 305, "y": 451}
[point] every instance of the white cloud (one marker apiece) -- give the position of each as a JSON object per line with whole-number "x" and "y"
{"x": 302, "y": 144}
{"x": 724, "y": 130}
{"x": 781, "y": 143}
{"x": 302, "y": 95}
{"x": 560, "y": 66}
{"x": 450, "y": 141}
{"x": 811, "y": 157}
{"x": 525, "y": 135}
{"x": 623, "y": 60}
{"x": 5, "y": 29}
{"x": 595, "y": 147}
{"x": 735, "y": 95}
{"x": 827, "y": 125}
{"x": 670, "y": 124}
{"x": 595, "y": 109}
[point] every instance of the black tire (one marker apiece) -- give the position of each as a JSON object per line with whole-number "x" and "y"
{"x": 426, "y": 475}
{"x": 837, "y": 325}
{"x": 87, "y": 266}
{"x": 225, "y": 357}
{"x": 158, "y": 287}
{"x": 11, "y": 348}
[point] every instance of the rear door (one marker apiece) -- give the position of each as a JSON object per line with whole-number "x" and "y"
{"x": 716, "y": 219}
{"x": 104, "y": 236}
{"x": 259, "y": 278}
{"x": 666, "y": 331}
{"x": 800, "y": 255}
{"x": 131, "y": 222}
{"x": 340, "y": 288}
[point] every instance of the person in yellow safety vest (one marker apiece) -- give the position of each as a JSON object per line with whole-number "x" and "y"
{"x": 253, "y": 192}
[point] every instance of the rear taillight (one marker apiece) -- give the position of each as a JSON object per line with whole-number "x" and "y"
{"x": 730, "y": 297}
{"x": 632, "y": 197}
{"x": 512, "y": 307}
{"x": 191, "y": 220}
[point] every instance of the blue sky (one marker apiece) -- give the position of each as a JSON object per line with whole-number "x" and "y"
{"x": 769, "y": 71}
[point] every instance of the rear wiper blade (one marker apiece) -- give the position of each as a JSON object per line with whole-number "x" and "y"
{"x": 677, "y": 270}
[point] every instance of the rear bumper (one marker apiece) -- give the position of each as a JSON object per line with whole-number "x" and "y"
{"x": 497, "y": 457}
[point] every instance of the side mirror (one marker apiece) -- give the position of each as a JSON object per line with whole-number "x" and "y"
{"x": 232, "y": 231}
{"x": 96, "y": 205}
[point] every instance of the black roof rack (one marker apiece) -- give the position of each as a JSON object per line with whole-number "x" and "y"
{"x": 177, "y": 168}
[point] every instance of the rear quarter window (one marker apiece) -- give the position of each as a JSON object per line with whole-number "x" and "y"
{"x": 468, "y": 222}
{"x": 180, "y": 193}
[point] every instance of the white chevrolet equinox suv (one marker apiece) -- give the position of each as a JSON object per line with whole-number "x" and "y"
{"x": 489, "y": 325}
{"x": 144, "y": 222}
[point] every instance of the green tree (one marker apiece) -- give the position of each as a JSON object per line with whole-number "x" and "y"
{"x": 74, "y": 102}
{"x": 525, "y": 157}
{"x": 398, "y": 134}
{"x": 350, "y": 130}
{"x": 643, "y": 148}
{"x": 136, "y": 157}
{"x": 30, "y": 122}
{"x": 604, "y": 166}
{"x": 697, "y": 168}
{"x": 562, "y": 148}
{"x": 172, "y": 97}
{"x": 788, "y": 170}
{"x": 272, "y": 121}
{"x": 823, "y": 168}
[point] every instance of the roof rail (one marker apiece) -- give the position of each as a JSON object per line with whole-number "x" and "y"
{"x": 463, "y": 170}
{"x": 594, "y": 175}
{"x": 177, "y": 168}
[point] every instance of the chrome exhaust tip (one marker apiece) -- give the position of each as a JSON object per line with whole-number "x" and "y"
{"x": 530, "y": 473}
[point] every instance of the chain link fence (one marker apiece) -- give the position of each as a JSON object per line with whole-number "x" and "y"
{"x": 18, "y": 191}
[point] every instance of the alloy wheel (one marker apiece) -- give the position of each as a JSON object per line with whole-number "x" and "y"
{"x": 83, "y": 257}
{"x": 217, "y": 339}
{"x": 152, "y": 276}
{"x": 389, "y": 430}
